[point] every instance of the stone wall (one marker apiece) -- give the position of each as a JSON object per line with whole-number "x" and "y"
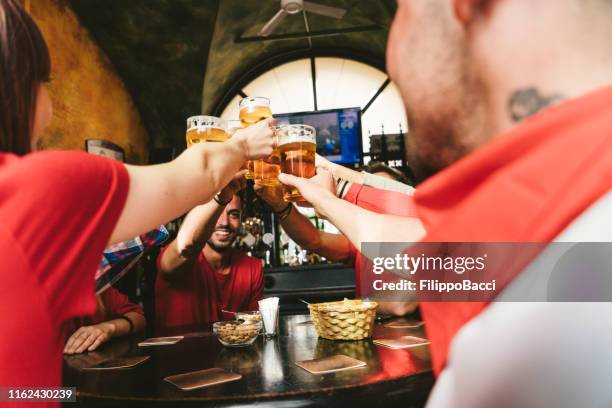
{"x": 90, "y": 101}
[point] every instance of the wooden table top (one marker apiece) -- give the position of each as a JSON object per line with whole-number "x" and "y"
{"x": 268, "y": 369}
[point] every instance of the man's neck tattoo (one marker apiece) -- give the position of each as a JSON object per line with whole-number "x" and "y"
{"x": 526, "y": 102}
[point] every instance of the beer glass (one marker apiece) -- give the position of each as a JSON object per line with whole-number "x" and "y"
{"x": 266, "y": 171}
{"x": 252, "y": 110}
{"x": 206, "y": 129}
{"x": 297, "y": 145}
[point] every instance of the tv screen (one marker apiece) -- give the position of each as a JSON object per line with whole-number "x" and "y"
{"x": 338, "y": 132}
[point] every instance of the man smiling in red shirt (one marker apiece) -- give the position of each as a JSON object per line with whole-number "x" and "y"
{"x": 200, "y": 273}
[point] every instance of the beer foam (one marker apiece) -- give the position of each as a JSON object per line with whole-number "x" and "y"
{"x": 205, "y": 122}
{"x": 283, "y": 140}
{"x": 204, "y": 127}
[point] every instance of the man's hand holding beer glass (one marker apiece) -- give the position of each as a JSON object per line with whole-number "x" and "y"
{"x": 357, "y": 224}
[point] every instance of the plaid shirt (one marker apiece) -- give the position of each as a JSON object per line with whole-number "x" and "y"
{"x": 119, "y": 258}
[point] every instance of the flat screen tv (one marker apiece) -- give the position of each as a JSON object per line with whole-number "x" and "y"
{"x": 338, "y": 132}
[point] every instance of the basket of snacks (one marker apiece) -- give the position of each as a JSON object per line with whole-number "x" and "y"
{"x": 344, "y": 320}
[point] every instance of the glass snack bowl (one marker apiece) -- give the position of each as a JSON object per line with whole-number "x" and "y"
{"x": 237, "y": 333}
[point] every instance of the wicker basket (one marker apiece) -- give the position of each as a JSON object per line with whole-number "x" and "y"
{"x": 344, "y": 320}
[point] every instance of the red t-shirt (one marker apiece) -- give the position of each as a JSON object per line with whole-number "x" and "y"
{"x": 57, "y": 212}
{"x": 379, "y": 201}
{"x": 525, "y": 186}
{"x": 116, "y": 304}
{"x": 197, "y": 299}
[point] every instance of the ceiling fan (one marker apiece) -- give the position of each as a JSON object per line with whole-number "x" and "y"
{"x": 297, "y": 6}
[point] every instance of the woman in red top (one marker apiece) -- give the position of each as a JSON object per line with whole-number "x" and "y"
{"x": 60, "y": 209}
{"x": 115, "y": 316}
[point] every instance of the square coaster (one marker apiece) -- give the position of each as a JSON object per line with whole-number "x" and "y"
{"x": 330, "y": 364}
{"x": 402, "y": 342}
{"x": 160, "y": 341}
{"x": 202, "y": 378}
{"x": 119, "y": 363}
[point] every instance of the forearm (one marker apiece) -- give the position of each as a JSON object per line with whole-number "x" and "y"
{"x": 163, "y": 192}
{"x": 191, "y": 239}
{"x": 174, "y": 263}
{"x": 385, "y": 183}
{"x": 360, "y": 225}
{"x": 301, "y": 230}
{"x": 121, "y": 327}
{"x": 350, "y": 175}
{"x": 334, "y": 247}
{"x": 138, "y": 320}
{"x": 197, "y": 227}
{"x": 204, "y": 172}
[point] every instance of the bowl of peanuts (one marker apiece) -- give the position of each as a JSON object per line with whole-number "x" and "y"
{"x": 237, "y": 333}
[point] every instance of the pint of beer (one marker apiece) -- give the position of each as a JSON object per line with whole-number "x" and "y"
{"x": 266, "y": 171}
{"x": 252, "y": 110}
{"x": 297, "y": 145}
{"x": 206, "y": 129}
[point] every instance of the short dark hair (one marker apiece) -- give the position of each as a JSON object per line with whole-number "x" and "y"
{"x": 380, "y": 167}
{"x": 24, "y": 65}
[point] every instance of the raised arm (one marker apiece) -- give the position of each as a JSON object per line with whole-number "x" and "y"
{"x": 350, "y": 176}
{"x": 357, "y": 224}
{"x": 199, "y": 224}
{"x": 334, "y": 247}
{"x": 163, "y": 192}
{"x": 338, "y": 171}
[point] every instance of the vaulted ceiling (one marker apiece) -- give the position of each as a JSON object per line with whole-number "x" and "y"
{"x": 181, "y": 57}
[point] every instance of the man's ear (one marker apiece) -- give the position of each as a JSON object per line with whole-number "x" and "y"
{"x": 467, "y": 10}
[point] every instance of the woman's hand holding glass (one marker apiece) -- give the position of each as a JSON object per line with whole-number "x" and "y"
{"x": 257, "y": 140}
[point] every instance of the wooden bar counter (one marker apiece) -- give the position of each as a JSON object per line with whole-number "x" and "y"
{"x": 270, "y": 377}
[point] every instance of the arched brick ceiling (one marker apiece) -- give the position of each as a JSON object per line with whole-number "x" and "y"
{"x": 178, "y": 57}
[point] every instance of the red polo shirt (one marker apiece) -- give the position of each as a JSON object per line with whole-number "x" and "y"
{"x": 57, "y": 212}
{"x": 524, "y": 186}
{"x": 197, "y": 299}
